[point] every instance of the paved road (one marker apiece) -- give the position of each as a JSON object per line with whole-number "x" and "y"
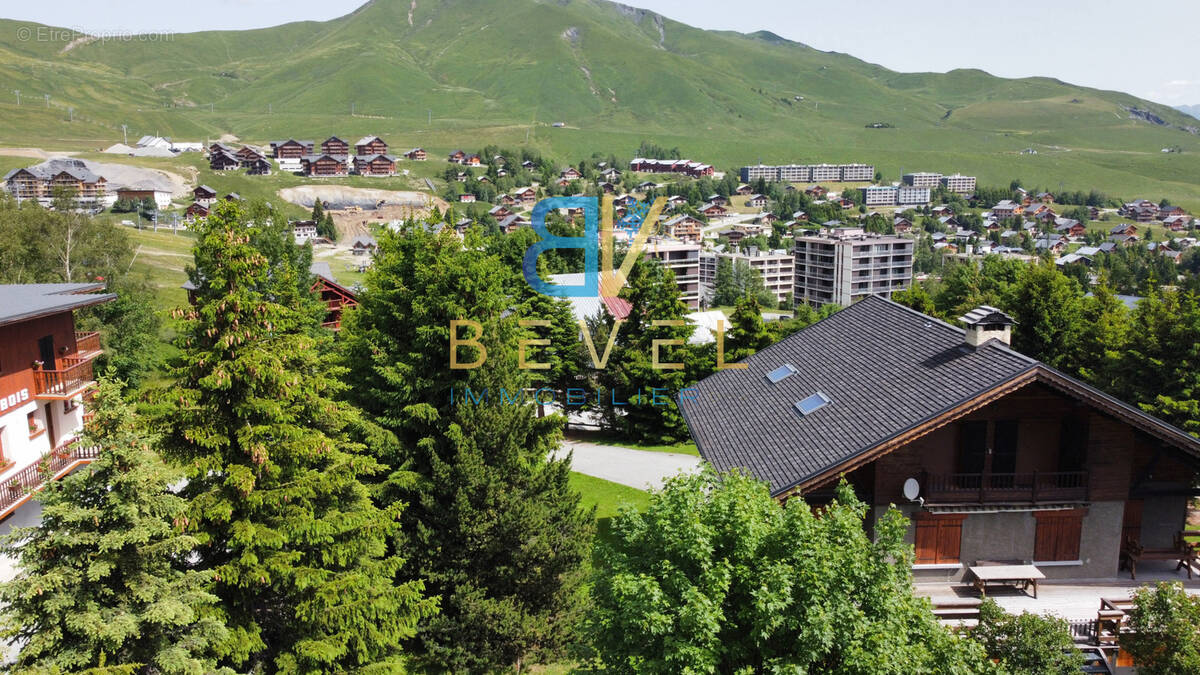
{"x": 636, "y": 468}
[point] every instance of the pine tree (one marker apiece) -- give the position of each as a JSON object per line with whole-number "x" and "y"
{"x": 725, "y": 292}
{"x": 747, "y": 331}
{"x": 285, "y": 525}
{"x": 639, "y": 398}
{"x": 100, "y": 582}
{"x": 495, "y": 532}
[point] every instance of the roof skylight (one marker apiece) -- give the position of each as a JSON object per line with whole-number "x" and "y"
{"x": 781, "y": 373}
{"x": 813, "y": 403}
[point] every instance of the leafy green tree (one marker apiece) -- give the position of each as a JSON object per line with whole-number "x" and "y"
{"x": 1047, "y": 307}
{"x": 645, "y": 409}
{"x": 747, "y": 332}
{"x": 495, "y": 531}
{"x": 129, "y": 328}
{"x": 1162, "y": 636}
{"x": 100, "y": 584}
{"x": 725, "y": 291}
{"x": 1160, "y": 369}
{"x": 1027, "y": 642}
{"x": 285, "y": 525}
{"x": 715, "y": 577}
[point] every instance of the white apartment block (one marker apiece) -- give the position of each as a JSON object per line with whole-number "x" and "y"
{"x": 959, "y": 183}
{"x": 890, "y": 195}
{"x": 907, "y": 195}
{"x": 841, "y": 265}
{"x": 826, "y": 172}
{"x": 683, "y": 259}
{"x": 777, "y": 269}
{"x": 857, "y": 172}
{"x": 921, "y": 179}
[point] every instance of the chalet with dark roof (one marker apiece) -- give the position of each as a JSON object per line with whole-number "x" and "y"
{"x": 291, "y": 149}
{"x": 222, "y": 161}
{"x": 1009, "y": 458}
{"x": 416, "y": 154}
{"x": 375, "y": 165}
{"x": 370, "y": 146}
{"x": 325, "y": 165}
{"x": 335, "y": 146}
{"x": 204, "y": 195}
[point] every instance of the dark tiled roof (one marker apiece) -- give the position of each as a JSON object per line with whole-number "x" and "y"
{"x": 886, "y": 369}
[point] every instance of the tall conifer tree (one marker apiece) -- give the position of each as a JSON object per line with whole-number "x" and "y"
{"x": 286, "y": 528}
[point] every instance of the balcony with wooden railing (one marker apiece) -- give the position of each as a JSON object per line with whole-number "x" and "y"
{"x": 17, "y": 488}
{"x": 1005, "y": 488}
{"x": 74, "y": 378}
{"x": 87, "y": 345}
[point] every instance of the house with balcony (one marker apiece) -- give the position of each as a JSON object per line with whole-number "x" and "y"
{"x": 992, "y": 455}
{"x": 46, "y": 377}
{"x": 337, "y": 298}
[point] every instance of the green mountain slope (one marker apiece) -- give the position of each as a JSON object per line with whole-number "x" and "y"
{"x": 504, "y": 72}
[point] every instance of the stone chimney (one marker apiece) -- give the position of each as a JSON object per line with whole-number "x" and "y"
{"x": 985, "y": 323}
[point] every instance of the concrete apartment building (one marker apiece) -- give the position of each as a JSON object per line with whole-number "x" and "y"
{"x": 809, "y": 173}
{"x": 959, "y": 183}
{"x": 841, "y": 265}
{"x": 890, "y": 195}
{"x": 921, "y": 179}
{"x": 683, "y": 259}
{"x": 777, "y": 269}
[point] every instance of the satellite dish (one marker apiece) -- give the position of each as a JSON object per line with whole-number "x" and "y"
{"x": 911, "y": 489}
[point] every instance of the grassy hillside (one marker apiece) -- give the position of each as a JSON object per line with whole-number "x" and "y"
{"x": 504, "y": 72}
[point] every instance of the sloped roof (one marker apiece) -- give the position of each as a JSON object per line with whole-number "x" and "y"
{"x": 22, "y": 302}
{"x": 889, "y": 371}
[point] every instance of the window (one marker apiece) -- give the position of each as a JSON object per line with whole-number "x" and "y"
{"x": 36, "y": 426}
{"x": 70, "y": 405}
{"x": 812, "y": 403}
{"x": 938, "y": 537}
{"x": 1004, "y": 452}
{"x": 1058, "y": 534}
{"x": 781, "y": 373}
{"x": 972, "y": 451}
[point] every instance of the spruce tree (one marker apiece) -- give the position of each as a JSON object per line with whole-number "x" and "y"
{"x": 494, "y": 529}
{"x": 285, "y": 525}
{"x": 746, "y": 331}
{"x": 101, "y": 584}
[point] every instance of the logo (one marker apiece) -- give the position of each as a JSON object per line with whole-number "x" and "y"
{"x": 599, "y": 277}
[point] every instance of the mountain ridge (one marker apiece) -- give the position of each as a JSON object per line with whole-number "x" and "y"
{"x": 440, "y": 73}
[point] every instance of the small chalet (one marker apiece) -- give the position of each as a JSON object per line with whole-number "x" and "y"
{"x": 375, "y": 165}
{"x": 942, "y": 210}
{"x": 222, "y": 161}
{"x": 204, "y": 195}
{"x": 611, "y": 174}
{"x": 757, "y": 201}
{"x": 370, "y": 146}
{"x": 291, "y": 149}
{"x": 524, "y": 195}
{"x": 1005, "y": 209}
{"x": 683, "y": 227}
{"x": 196, "y": 210}
{"x": 336, "y": 297}
{"x": 325, "y": 165}
{"x": 901, "y": 225}
{"x": 472, "y": 160}
{"x": 570, "y": 173}
{"x": 1009, "y": 459}
{"x": 712, "y": 210}
{"x": 335, "y": 146}
{"x": 1169, "y": 210}
{"x": 456, "y": 157}
{"x": 416, "y": 154}
{"x": 744, "y": 190}
{"x": 717, "y": 199}
{"x": 512, "y": 223}
{"x": 466, "y": 198}
{"x": 499, "y": 212}
{"x": 1176, "y": 223}
{"x": 1069, "y": 227}
{"x": 363, "y": 244}
{"x": 259, "y": 166}
{"x": 304, "y": 230}
{"x": 816, "y": 192}
{"x": 1127, "y": 229}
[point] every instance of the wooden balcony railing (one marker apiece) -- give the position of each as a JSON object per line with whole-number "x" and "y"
{"x": 72, "y": 379}
{"x": 87, "y": 344}
{"x": 15, "y": 489}
{"x": 984, "y": 488}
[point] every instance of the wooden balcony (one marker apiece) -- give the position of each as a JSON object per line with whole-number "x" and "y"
{"x": 1005, "y": 488}
{"x": 16, "y": 489}
{"x": 87, "y": 345}
{"x": 73, "y": 379}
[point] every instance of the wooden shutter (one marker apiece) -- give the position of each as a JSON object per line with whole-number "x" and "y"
{"x": 1058, "y": 534}
{"x": 938, "y": 539}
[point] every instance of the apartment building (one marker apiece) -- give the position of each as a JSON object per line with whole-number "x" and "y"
{"x": 840, "y": 265}
{"x": 683, "y": 259}
{"x": 808, "y": 173}
{"x": 777, "y": 269}
{"x": 963, "y": 185}
{"x": 42, "y": 182}
{"x": 921, "y": 179}
{"x": 890, "y": 195}
{"x": 45, "y": 378}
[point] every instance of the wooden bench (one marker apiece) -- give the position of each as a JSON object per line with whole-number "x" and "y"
{"x": 1184, "y": 554}
{"x": 957, "y": 609}
{"x": 1005, "y": 572}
